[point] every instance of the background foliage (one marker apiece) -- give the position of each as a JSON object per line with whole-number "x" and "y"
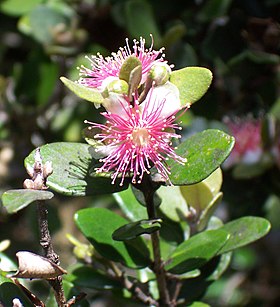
{"x": 239, "y": 41}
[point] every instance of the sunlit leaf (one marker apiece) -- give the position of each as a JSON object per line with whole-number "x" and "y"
{"x": 71, "y": 164}
{"x": 192, "y": 82}
{"x": 87, "y": 93}
{"x": 205, "y": 152}
{"x": 15, "y": 200}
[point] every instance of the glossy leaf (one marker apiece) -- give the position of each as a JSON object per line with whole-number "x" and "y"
{"x": 196, "y": 251}
{"x": 15, "y": 200}
{"x": 205, "y": 152}
{"x": 133, "y": 230}
{"x": 98, "y": 225}
{"x": 192, "y": 82}
{"x": 71, "y": 164}
{"x": 243, "y": 231}
{"x": 87, "y": 93}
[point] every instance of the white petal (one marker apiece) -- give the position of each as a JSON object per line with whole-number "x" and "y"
{"x": 116, "y": 104}
{"x": 167, "y": 93}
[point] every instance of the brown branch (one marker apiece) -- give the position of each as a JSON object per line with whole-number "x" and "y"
{"x": 148, "y": 189}
{"x": 39, "y": 174}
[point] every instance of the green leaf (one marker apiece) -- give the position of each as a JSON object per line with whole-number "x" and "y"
{"x": 130, "y": 206}
{"x": 18, "y": 7}
{"x": 198, "y": 304}
{"x": 9, "y": 291}
{"x": 209, "y": 211}
{"x": 86, "y": 276}
{"x": 243, "y": 231}
{"x": 98, "y": 224}
{"x": 205, "y": 152}
{"x": 214, "y": 181}
{"x": 87, "y": 93}
{"x": 43, "y": 22}
{"x": 173, "y": 204}
{"x": 196, "y": 251}
{"x": 15, "y": 200}
{"x": 71, "y": 164}
{"x": 133, "y": 230}
{"x": 198, "y": 195}
{"x": 128, "y": 65}
{"x": 223, "y": 264}
{"x": 192, "y": 82}
{"x": 140, "y": 20}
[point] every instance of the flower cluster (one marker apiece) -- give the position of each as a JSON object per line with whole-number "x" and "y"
{"x": 141, "y": 106}
{"x": 248, "y": 144}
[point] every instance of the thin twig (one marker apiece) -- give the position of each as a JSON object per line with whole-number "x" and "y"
{"x": 132, "y": 287}
{"x": 158, "y": 267}
{"x": 45, "y": 242}
{"x": 39, "y": 174}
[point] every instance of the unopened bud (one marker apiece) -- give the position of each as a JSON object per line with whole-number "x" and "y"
{"x": 118, "y": 86}
{"x": 47, "y": 169}
{"x": 160, "y": 73}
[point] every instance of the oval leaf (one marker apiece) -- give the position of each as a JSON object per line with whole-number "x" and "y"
{"x": 205, "y": 152}
{"x": 133, "y": 230}
{"x": 196, "y": 251}
{"x": 98, "y": 224}
{"x": 15, "y": 200}
{"x": 192, "y": 82}
{"x": 87, "y": 93}
{"x": 71, "y": 164}
{"x": 243, "y": 231}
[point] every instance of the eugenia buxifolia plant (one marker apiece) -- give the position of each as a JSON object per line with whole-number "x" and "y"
{"x": 165, "y": 246}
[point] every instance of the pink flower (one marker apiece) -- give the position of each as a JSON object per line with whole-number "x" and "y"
{"x": 248, "y": 147}
{"x": 109, "y": 67}
{"x": 139, "y": 138}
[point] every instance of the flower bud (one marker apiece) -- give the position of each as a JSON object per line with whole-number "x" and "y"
{"x": 118, "y": 86}
{"x": 160, "y": 73}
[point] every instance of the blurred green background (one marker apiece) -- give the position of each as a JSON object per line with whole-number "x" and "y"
{"x": 239, "y": 41}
